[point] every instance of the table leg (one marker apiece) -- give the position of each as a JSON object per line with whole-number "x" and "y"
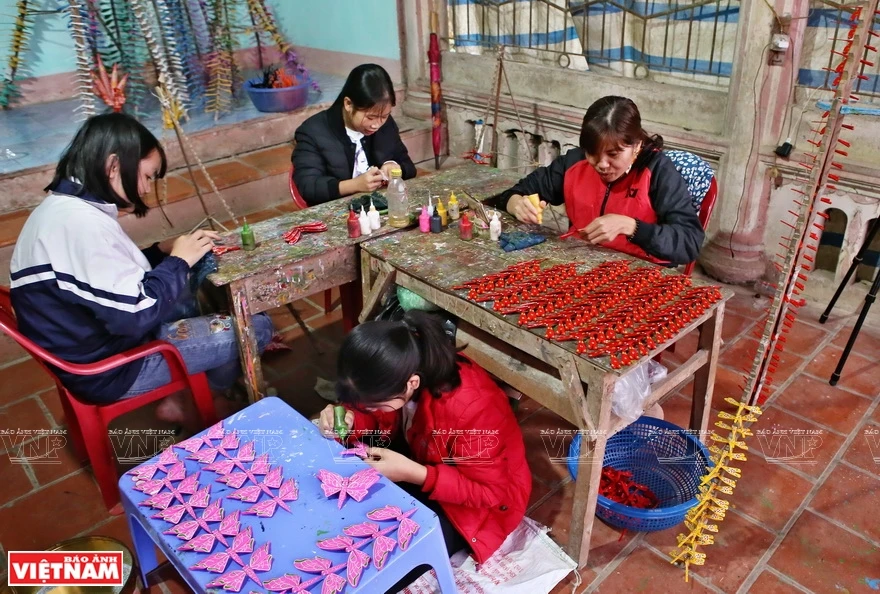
{"x": 247, "y": 342}
{"x": 144, "y": 549}
{"x": 350, "y": 295}
{"x": 594, "y": 434}
{"x": 704, "y": 378}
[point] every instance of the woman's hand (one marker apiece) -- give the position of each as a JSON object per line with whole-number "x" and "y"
{"x": 192, "y": 247}
{"x": 396, "y": 467}
{"x": 387, "y": 167}
{"x": 523, "y": 209}
{"x": 607, "y": 227}
{"x": 326, "y": 422}
{"x": 369, "y": 181}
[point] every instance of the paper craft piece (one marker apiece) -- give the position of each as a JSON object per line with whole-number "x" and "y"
{"x": 174, "y": 514}
{"x": 161, "y": 500}
{"x": 145, "y": 472}
{"x": 204, "y": 543}
{"x": 294, "y": 234}
{"x": 219, "y": 250}
{"x": 407, "y": 527}
{"x": 261, "y": 560}
{"x": 382, "y": 545}
{"x": 194, "y": 444}
{"x": 333, "y": 583}
{"x": 176, "y": 473}
{"x": 228, "y": 443}
{"x": 359, "y": 450}
{"x": 259, "y": 467}
{"x": 224, "y": 467}
{"x": 357, "y": 559}
{"x": 356, "y": 486}
{"x": 287, "y": 490}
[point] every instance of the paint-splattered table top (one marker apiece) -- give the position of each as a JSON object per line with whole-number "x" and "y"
{"x": 272, "y": 251}
{"x": 443, "y": 261}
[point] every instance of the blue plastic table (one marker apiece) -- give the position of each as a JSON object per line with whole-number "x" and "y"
{"x": 294, "y": 444}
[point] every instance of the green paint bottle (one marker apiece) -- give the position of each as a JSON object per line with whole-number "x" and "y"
{"x": 248, "y": 243}
{"x": 339, "y": 424}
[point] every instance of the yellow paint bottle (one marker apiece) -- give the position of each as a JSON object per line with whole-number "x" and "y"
{"x": 441, "y": 210}
{"x": 453, "y": 206}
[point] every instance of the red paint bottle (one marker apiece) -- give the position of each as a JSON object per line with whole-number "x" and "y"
{"x": 465, "y": 228}
{"x": 354, "y": 225}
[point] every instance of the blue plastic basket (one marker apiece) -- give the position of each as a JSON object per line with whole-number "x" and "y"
{"x": 281, "y": 99}
{"x": 663, "y": 457}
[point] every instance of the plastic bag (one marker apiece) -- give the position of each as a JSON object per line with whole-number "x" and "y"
{"x": 528, "y": 562}
{"x": 632, "y": 390}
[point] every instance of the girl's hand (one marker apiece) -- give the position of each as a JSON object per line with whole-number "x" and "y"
{"x": 396, "y": 467}
{"x": 523, "y": 209}
{"x": 387, "y": 167}
{"x": 326, "y": 422}
{"x": 369, "y": 181}
{"x": 607, "y": 227}
{"x": 192, "y": 247}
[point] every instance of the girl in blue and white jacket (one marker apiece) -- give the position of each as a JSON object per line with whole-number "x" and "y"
{"x": 83, "y": 290}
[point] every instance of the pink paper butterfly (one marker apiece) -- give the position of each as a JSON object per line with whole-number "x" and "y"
{"x": 357, "y": 559}
{"x": 194, "y": 444}
{"x": 208, "y": 455}
{"x": 382, "y": 545}
{"x": 287, "y": 583}
{"x": 259, "y": 467}
{"x": 145, "y": 472}
{"x": 153, "y": 486}
{"x": 187, "y": 486}
{"x": 266, "y": 509}
{"x": 356, "y": 486}
{"x": 223, "y": 467}
{"x": 407, "y": 527}
{"x": 333, "y": 584}
{"x": 229, "y": 526}
{"x": 174, "y": 514}
{"x": 359, "y": 450}
{"x": 261, "y": 560}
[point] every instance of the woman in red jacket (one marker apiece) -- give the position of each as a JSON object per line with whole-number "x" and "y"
{"x": 619, "y": 189}
{"x": 465, "y": 448}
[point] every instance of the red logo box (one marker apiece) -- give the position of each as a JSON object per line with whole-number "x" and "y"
{"x": 65, "y": 568}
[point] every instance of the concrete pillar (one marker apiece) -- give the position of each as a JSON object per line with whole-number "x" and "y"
{"x": 415, "y": 30}
{"x": 753, "y": 128}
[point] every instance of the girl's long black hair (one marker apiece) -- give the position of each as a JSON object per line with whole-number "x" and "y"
{"x": 85, "y": 159}
{"x": 377, "y": 359}
{"x": 367, "y": 85}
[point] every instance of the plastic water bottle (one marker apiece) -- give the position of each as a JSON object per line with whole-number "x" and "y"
{"x": 398, "y": 203}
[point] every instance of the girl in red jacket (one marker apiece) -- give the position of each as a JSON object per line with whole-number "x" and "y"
{"x": 464, "y": 449}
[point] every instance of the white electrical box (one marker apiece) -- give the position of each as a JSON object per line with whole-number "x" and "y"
{"x": 780, "y": 42}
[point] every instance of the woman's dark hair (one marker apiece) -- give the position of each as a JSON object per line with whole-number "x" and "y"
{"x": 85, "y": 159}
{"x": 615, "y": 121}
{"x": 368, "y": 85}
{"x": 378, "y": 358}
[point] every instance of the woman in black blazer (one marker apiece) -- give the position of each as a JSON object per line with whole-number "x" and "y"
{"x": 352, "y": 146}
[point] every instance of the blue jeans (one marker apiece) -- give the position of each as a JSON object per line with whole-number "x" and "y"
{"x": 206, "y": 343}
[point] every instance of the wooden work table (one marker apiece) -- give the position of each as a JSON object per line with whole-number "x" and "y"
{"x": 276, "y": 274}
{"x": 575, "y": 387}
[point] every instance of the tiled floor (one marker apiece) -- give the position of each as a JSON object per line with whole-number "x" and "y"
{"x": 803, "y": 516}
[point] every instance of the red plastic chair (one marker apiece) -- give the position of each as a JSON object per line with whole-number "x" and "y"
{"x": 87, "y": 422}
{"x": 301, "y": 203}
{"x": 706, "y": 207}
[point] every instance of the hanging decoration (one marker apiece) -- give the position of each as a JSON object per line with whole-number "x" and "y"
{"x": 264, "y": 21}
{"x": 795, "y": 261}
{"x": 111, "y": 89}
{"x": 83, "y": 59}
{"x": 9, "y": 91}
{"x": 171, "y": 112}
{"x": 219, "y": 63}
{"x": 160, "y": 60}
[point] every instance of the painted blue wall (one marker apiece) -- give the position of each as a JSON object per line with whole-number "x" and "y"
{"x": 367, "y": 27}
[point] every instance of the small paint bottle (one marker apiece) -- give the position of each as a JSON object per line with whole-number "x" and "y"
{"x": 441, "y": 210}
{"x": 436, "y": 222}
{"x": 425, "y": 220}
{"x": 364, "y": 221}
{"x": 494, "y": 227}
{"x": 354, "y": 225}
{"x": 465, "y": 228}
{"x": 375, "y": 220}
{"x": 452, "y": 206}
{"x": 248, "y": 242}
